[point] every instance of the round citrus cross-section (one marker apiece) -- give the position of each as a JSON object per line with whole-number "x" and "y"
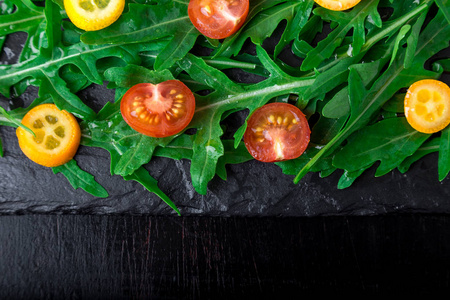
{"x": 57, "y": 135}
{"x": 427, "y": 105}
{"x": 91, "y": 15}
{"x": 337, "y": 5}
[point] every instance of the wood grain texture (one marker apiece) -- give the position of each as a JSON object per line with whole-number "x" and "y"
{"x": 118, "y": 257}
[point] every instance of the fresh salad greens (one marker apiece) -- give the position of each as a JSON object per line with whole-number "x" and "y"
{"x": 350, "y": 82}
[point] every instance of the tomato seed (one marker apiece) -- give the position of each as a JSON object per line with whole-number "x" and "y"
{"x": 206, "y": 10}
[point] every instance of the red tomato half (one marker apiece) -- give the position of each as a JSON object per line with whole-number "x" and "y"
{"x": 277, "y": 132}
{"x": 218, "y": 19}
{"x": 158, "y": 110}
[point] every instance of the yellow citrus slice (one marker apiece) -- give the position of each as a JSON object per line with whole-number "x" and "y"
{"x": 91, "y": 15}
{"x": 57, "y": 135}
{"x": 337, "y": 4}
{"x": 427, "y": 105}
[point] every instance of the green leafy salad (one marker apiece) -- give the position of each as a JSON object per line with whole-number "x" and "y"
{"x": 350, "y": 83}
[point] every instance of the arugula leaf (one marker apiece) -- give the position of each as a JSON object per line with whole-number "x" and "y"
{"x": 226, "y": 48}
{"x": 178, "y": 148}
{"x": 44, "y": 68}
{"x": 412, "y": 41}
{"x": 430, "y": 146}
{"x": 339, "y": 104}
{"x": 348, "y": 178}
{"x": 301, "y": 44}
{"x": 14, "y": 121}
{"x": 444, "y": 154}
{"x": 126, "y": 77}
{"x": 231, "y": 155}
{"x": 355, "y": 19}
{"x": 139, "y": 147}
{"x": 301, "y": 16}
{"x": 168, "y": 19}
{"x": 334, "y": 71}
{"x": 227, "y": 96}
{"x": 366, "y": 103}
{"x": 291, "y": 167}
{"x": 403, "y": 31}
{"x": 181, "y": 148}
{"x": 142, "y": 176}
{"x": 27, "y": 18}
{"x": 444, "y": 6}
{"x": 264, "y": 24}
{"x": 390, "y": 141}
{"x": 107, "y": 132}
{"x": 80, "y": 179}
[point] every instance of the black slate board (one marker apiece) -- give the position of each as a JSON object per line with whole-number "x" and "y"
{"x": 252, "y": 188}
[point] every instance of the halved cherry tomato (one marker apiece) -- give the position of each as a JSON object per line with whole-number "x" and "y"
{"x": 277, "y": 132}
{"x": 57, "y": 135}
{"x": 158, "y": 110}
{"x": 218, "y": 19}
{"x": 427, "y": 105}
{"x": 91, "y": 15}
{"x": 337, "y": 4}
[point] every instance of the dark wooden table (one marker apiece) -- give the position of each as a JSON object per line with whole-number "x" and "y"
{"x": 115, "y": 257}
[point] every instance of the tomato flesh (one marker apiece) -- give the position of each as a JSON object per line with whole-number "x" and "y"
{"x": 159, "y": 110}
{"x": 218, "y": 19}
{"x": 277, "y": 132}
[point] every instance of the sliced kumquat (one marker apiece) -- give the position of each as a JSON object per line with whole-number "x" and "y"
{"x": 91, "y": 15}
{"x": 337, "y": 5}
{"x": 427, "y": 105}
{"x": 57, "y": 135}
